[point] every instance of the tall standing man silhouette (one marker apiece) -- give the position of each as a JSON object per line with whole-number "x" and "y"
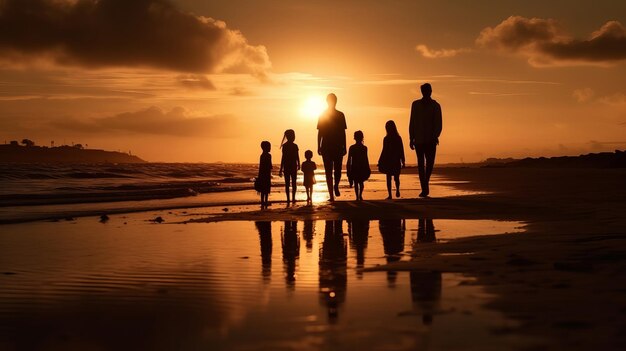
{"x": 331, "y": 143}
{"x": 424, "y": 131}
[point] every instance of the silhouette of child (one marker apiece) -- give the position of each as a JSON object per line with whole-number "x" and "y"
{"x": 263, "y": 182}
{"x": 358, "y": 166}
{"x": 308, "y": 168}
{"x": 391, "y": 159}
{"x": 290, "y": 162}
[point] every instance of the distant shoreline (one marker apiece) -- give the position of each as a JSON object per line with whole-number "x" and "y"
{"x": 10, "y": 153}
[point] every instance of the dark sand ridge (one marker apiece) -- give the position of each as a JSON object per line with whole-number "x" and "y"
{"x": 564, "y": 279}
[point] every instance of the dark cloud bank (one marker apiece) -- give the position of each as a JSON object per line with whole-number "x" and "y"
{"x": 156, "y": 121}
{"x": 545, "y": 43}
{"x": 135, "y": 33}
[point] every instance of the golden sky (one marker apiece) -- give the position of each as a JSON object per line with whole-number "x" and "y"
{"x": 205, "y": 81}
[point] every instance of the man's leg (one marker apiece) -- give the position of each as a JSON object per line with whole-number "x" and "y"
{"x": 430, "y": 152}
{"x": 419, "y": 151}
{"x": 328, "y": 170}
{"x": 338, "y": 163}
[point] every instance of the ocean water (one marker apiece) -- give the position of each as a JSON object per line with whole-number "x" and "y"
{"x": 46, "y": 184}
{"x": 40, "y": 191}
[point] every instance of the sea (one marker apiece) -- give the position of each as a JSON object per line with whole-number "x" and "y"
{"x": 51, "y": 191}
{"x": 30, "y": 192}
{"x": 46, "y": 184}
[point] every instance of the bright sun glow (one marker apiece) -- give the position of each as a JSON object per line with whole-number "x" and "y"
{"x": 313, "y": 106}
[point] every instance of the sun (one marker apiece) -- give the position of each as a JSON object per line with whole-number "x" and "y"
{"x": 313, "y": 106}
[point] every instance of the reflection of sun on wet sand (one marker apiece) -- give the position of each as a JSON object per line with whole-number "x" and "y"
{"x": 565, "y": 274}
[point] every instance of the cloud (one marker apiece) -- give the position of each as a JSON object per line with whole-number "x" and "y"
{"x": 545, "y": 43}
{"x": 426, "y": 52}
{"x": 583, "y": 95}
{"x": 595, "y": 145}
{"x": 123, "y": 33}
{"x": 195, "y": 82}
{"x": 240, "y": 91}
{"x": 452, "y": 78}
{"x": 482, "y": 93}
{"x": 588, "y": 95}
{"x": 154, "y": 120}
{"x": 617, "y": 99}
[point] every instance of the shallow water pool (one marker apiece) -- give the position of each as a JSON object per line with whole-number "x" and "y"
{"x": 132, "y": 284}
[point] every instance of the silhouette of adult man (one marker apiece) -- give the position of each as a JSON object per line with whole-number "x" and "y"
{"x": 424, "y": 131}
{"x": 331, "y": 143}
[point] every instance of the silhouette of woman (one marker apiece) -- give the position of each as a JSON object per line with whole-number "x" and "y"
{"x": 391, "y": 159}
{"x": 290, "y": 162}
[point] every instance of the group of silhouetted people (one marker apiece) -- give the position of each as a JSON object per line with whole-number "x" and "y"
{"x": 424, "y": 130}
{"x": 334, "y": 260}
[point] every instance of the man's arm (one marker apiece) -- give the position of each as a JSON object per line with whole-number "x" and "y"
{"x": 319, "y": 142}
{"x": 343, "y": 140}
{"x": 438, "y": 123}
{"x": 402, "y": 153}
{"x": 412, "y": 126}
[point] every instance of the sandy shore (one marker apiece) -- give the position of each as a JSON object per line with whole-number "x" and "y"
{"x": 563, "y": 278}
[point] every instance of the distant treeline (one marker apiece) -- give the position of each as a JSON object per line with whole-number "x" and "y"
{"x": 615, "y": 159}
{"x": 14, "y": 153}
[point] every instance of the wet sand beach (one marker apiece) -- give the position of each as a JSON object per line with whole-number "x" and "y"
{"x": 427, "y": 274}
{"x": 563, "y": 279}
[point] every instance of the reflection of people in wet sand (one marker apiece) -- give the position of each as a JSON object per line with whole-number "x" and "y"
{"x": 426, "y": 293}
{"x": 392, "y": 231}
{"x": 424, "y": 131}
{"x": 426, "y": 231}
{"x": 331, "y": 143}
{"x": 291, "y": 250}
{"x": 265, "y": 237}
{"x": 308, "y": 232}
{"x": 333, "y": 268}
{"x": 425, "y": 286}
{"x": 358, "y": 231}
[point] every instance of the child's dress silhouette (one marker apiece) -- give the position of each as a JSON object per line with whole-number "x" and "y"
{"x": 358, "y": 166}
{"x": 308, "y": 168}
{"x": 392, "y": 156}
{"x": 263, "y": 182}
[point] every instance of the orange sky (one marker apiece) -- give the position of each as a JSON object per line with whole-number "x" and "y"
{"x": 204, "y": 81}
